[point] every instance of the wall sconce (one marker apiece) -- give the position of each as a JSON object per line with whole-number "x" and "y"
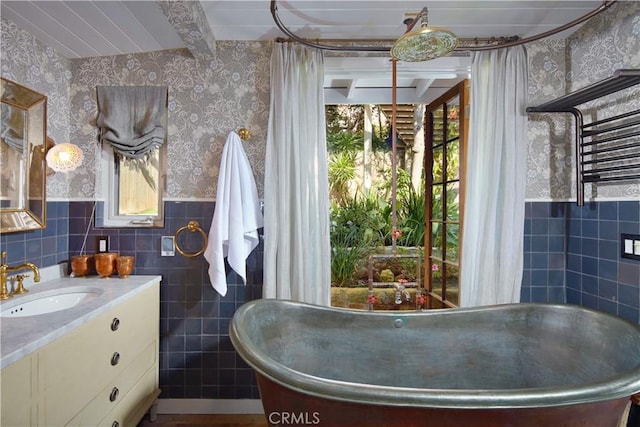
{"x": 64, "y": 157}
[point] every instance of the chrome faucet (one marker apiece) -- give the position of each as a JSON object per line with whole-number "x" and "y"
{"x": 401, "y": 292}
{"x": 5, "y": 270}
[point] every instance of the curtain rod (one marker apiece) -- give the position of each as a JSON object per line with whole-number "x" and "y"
{"x": 462, "y": 47}
{"x": 499, "y": 42}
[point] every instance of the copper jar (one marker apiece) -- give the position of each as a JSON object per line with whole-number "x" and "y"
{"x": 125, "y": 266}
{"x": 81, "y": 265}
{"x": 105, "y": 263}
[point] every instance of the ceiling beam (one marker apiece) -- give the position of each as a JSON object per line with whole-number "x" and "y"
{"x": 422, "y": 85}
{"x": 351, "y": 87}
{"x": 190, "y": 22}
{"x": 368, "y": 95}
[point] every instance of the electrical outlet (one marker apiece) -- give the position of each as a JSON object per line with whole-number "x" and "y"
{"x": 630, "y": 246}
{"x": 102, "y": 244}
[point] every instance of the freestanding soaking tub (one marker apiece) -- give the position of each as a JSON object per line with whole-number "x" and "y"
{"x": 507, "y": 365}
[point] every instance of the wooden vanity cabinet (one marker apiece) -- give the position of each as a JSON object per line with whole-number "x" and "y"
{"x": 104, "y": 372}
{"x": 17, "y": 394}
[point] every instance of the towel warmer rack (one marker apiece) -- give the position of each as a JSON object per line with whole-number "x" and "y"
{"x": 608, "y": 149}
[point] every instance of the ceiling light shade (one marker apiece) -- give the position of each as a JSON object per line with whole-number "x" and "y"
{"x": 424, "y": 44}
{"x": 64, "y": 157}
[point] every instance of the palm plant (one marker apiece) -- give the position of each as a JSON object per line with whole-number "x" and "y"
{"x": 342, "y": 170}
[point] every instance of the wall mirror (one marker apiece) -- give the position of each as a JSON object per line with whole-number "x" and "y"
{"x": 23, "y": 131}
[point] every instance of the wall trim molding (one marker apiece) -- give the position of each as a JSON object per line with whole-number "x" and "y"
{"x": 210, "y": 406}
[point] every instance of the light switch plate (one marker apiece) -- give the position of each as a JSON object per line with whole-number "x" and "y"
{"x": 168, "y": 245}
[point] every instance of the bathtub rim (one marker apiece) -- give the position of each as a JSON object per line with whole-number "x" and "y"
{"x": 616, "y": 387}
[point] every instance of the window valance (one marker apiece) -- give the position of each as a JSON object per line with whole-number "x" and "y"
{"x": 131, "y": 118}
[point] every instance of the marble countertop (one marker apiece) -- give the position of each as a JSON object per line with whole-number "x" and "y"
{"x": 21, "y": 336}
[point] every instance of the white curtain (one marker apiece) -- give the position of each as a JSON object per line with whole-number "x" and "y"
{"x": 296, "y": 190}
{"x": 492, "y": 241}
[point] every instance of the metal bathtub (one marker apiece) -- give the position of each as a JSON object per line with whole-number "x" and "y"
{"x": 505, "y": 365}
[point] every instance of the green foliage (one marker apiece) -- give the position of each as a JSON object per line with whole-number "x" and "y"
{"x": 358, "y": 226}
{"x": 362, "y": 222}
{"x": 452, "y": 214}
{"x": 343, "y": 141}
{"x": 387, "y": 275}
{"x": 347, "y": 255}
{"x": 411, "y": 215}
{"x": 360, "y": 219}
{"x": 342, "y": 170}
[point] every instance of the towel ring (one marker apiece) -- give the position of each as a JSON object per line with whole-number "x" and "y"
{"x": 192, "y": 226}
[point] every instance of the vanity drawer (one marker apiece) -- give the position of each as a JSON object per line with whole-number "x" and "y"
{"x": 134, "y": 405}
{"x": 117, "y": 391}
{"x": 78, "y": 366}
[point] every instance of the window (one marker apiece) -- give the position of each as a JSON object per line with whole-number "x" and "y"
{"x": 445, "y": 124}
{"x": 132, "y": 191}
{"x": 132, "y": 123}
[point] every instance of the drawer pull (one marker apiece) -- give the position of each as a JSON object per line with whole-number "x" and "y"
{"x": 115, "y": 324}
{"x": 114, "y": 394}
{"x": 115, "y": 358}
{"x": 115, "y": 424}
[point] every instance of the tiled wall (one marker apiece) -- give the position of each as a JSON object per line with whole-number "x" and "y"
{"x": 597, "y": 276}
{"x": 544, "y": 246}
{"x": 42, "y": 247}
{"x": 197, "y": 359}
{"x": 572, "y": 254}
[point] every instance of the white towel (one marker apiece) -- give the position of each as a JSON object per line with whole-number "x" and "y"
{"x": 237, "y": 216}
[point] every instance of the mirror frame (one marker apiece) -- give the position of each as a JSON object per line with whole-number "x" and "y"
{"x": 30, "y": 211}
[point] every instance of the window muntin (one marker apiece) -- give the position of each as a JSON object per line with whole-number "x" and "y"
{"x": 443, "y": 197}
{"x": 131, "y": 192}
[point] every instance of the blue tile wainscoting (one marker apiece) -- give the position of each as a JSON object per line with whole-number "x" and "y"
{"x": 197, "y": 360}
{"x": 42, "y": 247}
{"x": 571, "y": 255}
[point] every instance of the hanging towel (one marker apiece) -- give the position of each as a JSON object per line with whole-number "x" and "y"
{"x": 237, "y": 216}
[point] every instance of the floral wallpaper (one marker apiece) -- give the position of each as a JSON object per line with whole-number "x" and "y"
{"x": 27, "y": 61}
{"x": 549, "y": 160}
{"x": 209, "y": 99}
{"x": 206, "y": 102}
{"x": 609, "y": 41}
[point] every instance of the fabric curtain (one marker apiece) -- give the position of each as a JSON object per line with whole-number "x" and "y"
{"x": 493, "y": 234}
{"x": 130, "y": 118}
{"x": 296, "y": 189}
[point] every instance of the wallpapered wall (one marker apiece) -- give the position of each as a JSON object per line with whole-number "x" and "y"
{"x": 207, "y": 101}
{"x": 609, "y": 41}
{"x": 39, "y": 67}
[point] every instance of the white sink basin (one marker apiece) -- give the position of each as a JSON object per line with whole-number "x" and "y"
{"x": 48, "y": 301}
